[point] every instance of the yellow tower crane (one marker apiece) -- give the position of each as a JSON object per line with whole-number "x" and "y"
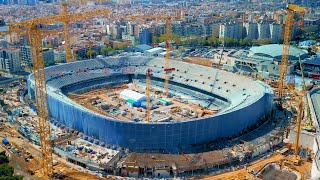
{"x": 298, "y": 96}
{"x": 148, "y": 89}
{"x": 32, "y": 27}
{"x": 64, "y": 11}
{"x": 308, "y": 124}
{"x": 169, "y": 37}
{"x": 291, "y": 9}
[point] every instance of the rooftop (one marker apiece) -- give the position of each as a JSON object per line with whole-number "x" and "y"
{"x": 314, "y": 61}
{"x": 143, "y": 47}
{"x": 275, "y": 51}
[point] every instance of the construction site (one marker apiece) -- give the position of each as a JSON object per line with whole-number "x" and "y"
{"x": 138, "y": 116}
{"x": 128, "y": 103}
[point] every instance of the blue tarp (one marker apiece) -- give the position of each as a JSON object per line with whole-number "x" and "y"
{"x": 5, "y": 141}
{"x": 33, "y": 107}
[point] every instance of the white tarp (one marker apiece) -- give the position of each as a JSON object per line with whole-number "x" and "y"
{"x": 129, "y": 94}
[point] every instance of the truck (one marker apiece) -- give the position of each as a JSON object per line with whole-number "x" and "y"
{"x": 5, "y": 142}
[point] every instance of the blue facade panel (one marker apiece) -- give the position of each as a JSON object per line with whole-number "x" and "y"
{"x": 165, "y": 136}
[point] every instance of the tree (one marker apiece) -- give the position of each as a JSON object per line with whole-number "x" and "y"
{"x": 213, "y": 41}
{"x": 164, "y": 37}
{"x": 312, "y": 29}
{"x": 155, "y": 39}
{"x": 90, "y": 53}
{"x": 76, "y": 56}
{"x": 11, "y": 178}
{"x": 310, "y": 52}
{"x": 261, "y": 41}
{"x": 200, "y": 41}
{"x": 58, "y": 60}
{"x": 3, "y": 159}
{"x": 121, "y": 47}
{"x": 245, "y": 42}
{"x": 6, "y": 170}
{"x": 106, "y": 51}
{"x": 300, "y": 32}
{"x": 230, "y": 42}
{"x": 313, "y": 37}
{"x": 49, "y": 46}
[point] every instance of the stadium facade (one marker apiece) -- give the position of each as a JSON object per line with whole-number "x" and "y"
{"x": 243, "y": 102}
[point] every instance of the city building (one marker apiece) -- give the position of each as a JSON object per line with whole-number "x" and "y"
{"x": 194, "y": 29}
{"x": 128, "y": 37}
{"x": 48, "y": 56}
{"x": 251, "y": 30}
{"x": 59, "y": 56}
{"x": 26, "y": 56}
{"x": 276, "y": 32}
{"x": 230, "y": 30}
{"x": 265, "y": 59}
{"x": 311, "y": 22}
{"x": 307, "y": 43}
{"x": 312, "y": 67}
{"x": 10, "y": 60}
{"x": 145, "y": 37}
{"x": 263, "y": 30}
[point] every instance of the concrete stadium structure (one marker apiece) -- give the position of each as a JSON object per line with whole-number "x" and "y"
{"x": 314, "y": 98}
{"x": 274, "y": 52}
{"x": 265, "y": 59}
{"x": 243, "y": 102}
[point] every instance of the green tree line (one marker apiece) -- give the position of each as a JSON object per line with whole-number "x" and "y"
{"x": 6, "y": 171}
{"x": 211, "y": 41}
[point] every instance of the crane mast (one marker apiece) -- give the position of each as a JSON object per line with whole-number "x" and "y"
{"x": 166, "y": 85}
{"x": 285, "y": 54}
{"x": 64, "y": 11}
{"x": 41, "y": 101}
{"x": 169, "y": 36}
{"x": 31, "y": 27}
{"x": 308, "y": 124}
{"x": 291, "y": 9}
{"x": 148, "y": 85}
{"x": 296, "y": 158}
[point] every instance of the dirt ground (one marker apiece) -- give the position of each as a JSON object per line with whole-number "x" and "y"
{"x": 241, "y": 174}
{"x": 22, "y": 167}
{"x": 85, "y": 100}
{"x": 83, "y": 176}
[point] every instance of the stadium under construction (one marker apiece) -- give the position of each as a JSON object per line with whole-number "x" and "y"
{"x": 104, "y": 99}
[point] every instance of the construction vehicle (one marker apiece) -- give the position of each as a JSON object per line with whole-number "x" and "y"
{"x": 204, "y": 112}
{"x": 291, "y": 9}
{"x": 33, "y": 28}
{"x": 175, "y": 109}
{"x": 148, "y": 86}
